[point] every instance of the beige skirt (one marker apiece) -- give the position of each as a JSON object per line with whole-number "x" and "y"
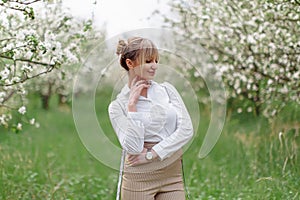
{"x": 154, "y": 175}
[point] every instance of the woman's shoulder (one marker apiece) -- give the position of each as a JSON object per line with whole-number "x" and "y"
{"x": 121, "y": 97}
{"x": 119, "y": 102}
{"x": 116, "y": 106}
{"x": 162, "y": 84}
{"x": 169, "y": 86}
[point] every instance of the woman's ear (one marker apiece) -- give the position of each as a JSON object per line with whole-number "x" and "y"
{"x": 129, "y": 63}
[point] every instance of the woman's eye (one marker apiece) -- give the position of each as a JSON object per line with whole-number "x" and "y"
{"x": 149, "y": 61}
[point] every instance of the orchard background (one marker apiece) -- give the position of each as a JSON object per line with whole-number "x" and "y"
{"x": 254, "y": 48}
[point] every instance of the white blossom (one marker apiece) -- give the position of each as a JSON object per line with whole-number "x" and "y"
{"x": 27, "y": 68}
{"x": 16, "y": 79}
{"x": 22, "y": 110}
{"x": 284, "y": 90}
{"x": 4, "y": 73}
{"x": 37, "y": 125}
{"x": 251, "y": 39}
{"x": 71, "y": 57}
{"x": 281, "y": 70}
{"x": 19, "y": 126}
{"x": 270, "y": 81}
{"x": 196, "y": 74}
{"x": 2, "y": 119}
{"x": 2, "y": 94}
{"x": 236, "y": 84}
{"x": 32, "y": 121}
{"x": 8, "y": 47}
{"x": 297, "y": 75}
{"x": 249, "y": 109}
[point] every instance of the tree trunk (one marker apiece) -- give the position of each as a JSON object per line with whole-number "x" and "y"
{"x": 62, "y": 99}
{"x": 46, "y": 97}
{"x": 45, "y": 101}
{"x": 257, "y": 100}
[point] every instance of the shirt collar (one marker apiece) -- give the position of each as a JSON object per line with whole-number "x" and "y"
{"x": 125, "y": 90}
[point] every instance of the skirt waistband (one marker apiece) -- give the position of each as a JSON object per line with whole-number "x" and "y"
{"x": 155, "y": 164}
{"x": 149, "y": 145}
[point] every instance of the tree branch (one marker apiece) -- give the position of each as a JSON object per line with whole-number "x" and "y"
{"x": 12, "y": 49}
{"x": 13, "y": 8}
{"x": 28, "y": 3}
{"x": 7, "y": 39}
{"x": 8, "y": 96}
{"x": 30, "y": 61}
{"x": 27, "y": 77}
{"x": 50, "y": 67}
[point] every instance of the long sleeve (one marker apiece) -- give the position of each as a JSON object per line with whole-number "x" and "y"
{"x": 129, "y": 129}
{"x": 184, "y": 128}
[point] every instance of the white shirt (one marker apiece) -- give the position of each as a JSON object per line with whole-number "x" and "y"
{"x": 161, "y": 117}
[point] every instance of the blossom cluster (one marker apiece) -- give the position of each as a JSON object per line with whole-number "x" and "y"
{"x": 38, "y": 46}
{"x": 255, "y": 46}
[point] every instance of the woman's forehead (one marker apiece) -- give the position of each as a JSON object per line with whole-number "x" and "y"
{"x": 150, "y": 53}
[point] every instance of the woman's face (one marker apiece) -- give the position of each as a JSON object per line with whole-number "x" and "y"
{"x": 147, "y": 70}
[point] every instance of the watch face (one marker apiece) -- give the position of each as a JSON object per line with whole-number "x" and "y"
{"x": 149, "y": 155}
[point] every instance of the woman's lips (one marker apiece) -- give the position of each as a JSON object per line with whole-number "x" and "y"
{"x": 152, "y": 73}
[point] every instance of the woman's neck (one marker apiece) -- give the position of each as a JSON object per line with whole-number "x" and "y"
{"x": 130, "y": 78}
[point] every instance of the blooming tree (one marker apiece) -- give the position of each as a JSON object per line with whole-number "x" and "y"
{"x": 73, "y": 37}
{"x": 255, "y": 46}
{"x": 37, "y": 47}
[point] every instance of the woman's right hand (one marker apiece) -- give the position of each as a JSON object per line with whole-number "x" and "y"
{"x": 136, "y": 87}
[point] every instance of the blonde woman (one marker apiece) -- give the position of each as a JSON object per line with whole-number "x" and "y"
{"x": 152, "y": 125}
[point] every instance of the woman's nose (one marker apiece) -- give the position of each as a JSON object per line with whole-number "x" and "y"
{"x": 154, "y": 65}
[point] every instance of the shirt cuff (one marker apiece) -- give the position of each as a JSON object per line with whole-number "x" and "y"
{"x": 160, "y": 152}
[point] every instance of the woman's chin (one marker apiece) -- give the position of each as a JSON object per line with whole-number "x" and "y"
{"x": 151, "y": 76}
{"x": 148, "y": 78}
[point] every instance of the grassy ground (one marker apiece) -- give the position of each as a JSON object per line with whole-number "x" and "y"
{"x": 51, "y": 162}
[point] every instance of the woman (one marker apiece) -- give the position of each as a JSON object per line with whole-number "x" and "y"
{"x": 152, "y": 125}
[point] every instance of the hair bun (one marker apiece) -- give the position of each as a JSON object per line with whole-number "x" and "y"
{"x": 121, "y": 47}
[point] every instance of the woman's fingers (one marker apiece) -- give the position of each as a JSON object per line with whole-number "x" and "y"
{"x": 140, "y": 82}
{"x": 136, "y": 90}
{"x": 141, "y": 86}
{"x": 137, "y": 81}
{"x": 133, "y": 160}
{"x": 137, "y": 86}
{"x": 132, "y": 157}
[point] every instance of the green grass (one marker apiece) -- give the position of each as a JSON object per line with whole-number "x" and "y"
{"x": 51, "y": 162}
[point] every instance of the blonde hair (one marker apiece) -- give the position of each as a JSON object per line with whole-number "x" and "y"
{"x": 136, "y": 49}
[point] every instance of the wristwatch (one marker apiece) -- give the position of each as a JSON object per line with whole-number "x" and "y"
{"x": 149, "y": 155}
